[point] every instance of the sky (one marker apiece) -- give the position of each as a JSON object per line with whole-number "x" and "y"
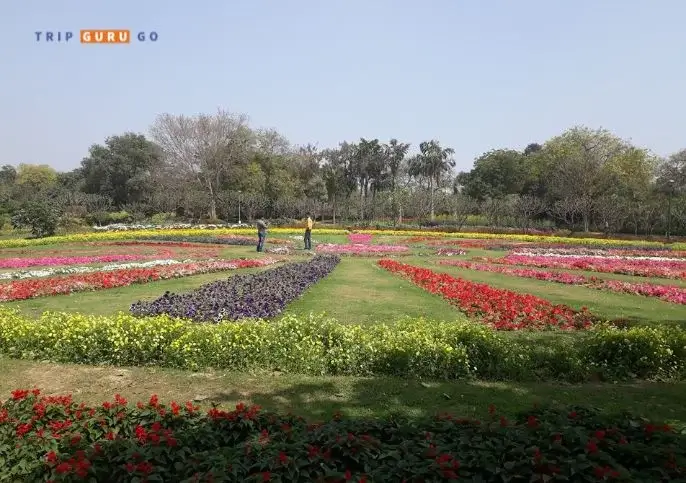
{"x": 474, "y": 74}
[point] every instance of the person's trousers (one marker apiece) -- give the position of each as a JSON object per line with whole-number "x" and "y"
{"x": 260, "y": 241}
{"x": 308, "y": 239}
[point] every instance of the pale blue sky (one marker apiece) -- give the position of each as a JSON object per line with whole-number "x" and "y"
{"x": 475, "y": 74}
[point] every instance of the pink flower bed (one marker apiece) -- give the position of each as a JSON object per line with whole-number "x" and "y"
{"x": 668, "y": 293}
{"x": 636, "y": 267}
{"x": 361, "y": 250}
{"x": 50, "y": 261}
{"x": 359, "y": 238}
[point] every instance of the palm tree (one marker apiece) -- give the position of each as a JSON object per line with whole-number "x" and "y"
{"x": 431, "y": 163}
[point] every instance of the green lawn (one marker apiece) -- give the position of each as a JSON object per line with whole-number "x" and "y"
{"x": 359, "y": 291}
{"x": 320, "y": 397}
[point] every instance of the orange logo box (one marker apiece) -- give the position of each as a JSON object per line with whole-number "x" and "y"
{"x": 105, "y": 36}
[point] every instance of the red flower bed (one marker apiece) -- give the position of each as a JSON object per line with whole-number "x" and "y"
{"x": 500, "y": 309}
{"x": 668, "y": 293}
{"x": 29, "y": 288}
{"x": 53, "y": 438}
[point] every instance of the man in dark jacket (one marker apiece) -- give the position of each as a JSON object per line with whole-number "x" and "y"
{"x": 261, "y": 234}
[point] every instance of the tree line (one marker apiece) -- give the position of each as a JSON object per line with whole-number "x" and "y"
{"x": 208, "y": 167}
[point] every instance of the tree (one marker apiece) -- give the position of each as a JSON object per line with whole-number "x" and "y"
{"x": 580, "y": 166}
{"x": 338, "y": 174}
{"x": 532, "y": 149}
{"x": 495, "y": 174}
{"x": 462, "y": 207}
{"x": 204, "y": 147}
{"x": 35, "y": 177}
{"x": 432, "y": 162}
{"x": 123, "y": 169}
{"x": 525, "y": 208}
{"x": 39, "y": 216}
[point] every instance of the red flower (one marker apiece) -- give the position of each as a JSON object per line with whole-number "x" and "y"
{"x": 591, "y": 447}
{"x": 599, "y": 435}
{"x": 532, "y": 422}
{"x": 491, "y": 409}
{"x": 130, "y": 467}
{"x": 266, "y": 476}
{"x": 19, "y": 394}
{"x": 154, "y": 401}
{"x": 63, "y": 468}
{"x": 175, "y": 408}
{"x": 120, "y": 400}
{"x": 51, "y": 457}
{"x": 283, "y": 458}
{"x": 145, "y": 467}
{"x": 348, "y": 475}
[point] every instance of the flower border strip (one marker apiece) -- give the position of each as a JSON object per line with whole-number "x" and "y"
{"x": 25, "y": 289}
{"x": 668, "y": 293}
{"x": 498, "y": 308}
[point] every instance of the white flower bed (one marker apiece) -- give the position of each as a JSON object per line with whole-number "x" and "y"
{"x": 598, "y": 254}
{"x": 49, "y": 272}
{"x": 172, "y": 226}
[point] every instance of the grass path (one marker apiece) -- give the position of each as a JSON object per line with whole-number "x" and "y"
{"x": 359, "y": 291}
{"x": 319, "y": 397}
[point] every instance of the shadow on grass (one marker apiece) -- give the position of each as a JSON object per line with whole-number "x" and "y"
{"x": 384, "y": 397}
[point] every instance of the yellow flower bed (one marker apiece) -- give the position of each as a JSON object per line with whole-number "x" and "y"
{"x": 139, "y": 234}
{"x": 519, "y": 237}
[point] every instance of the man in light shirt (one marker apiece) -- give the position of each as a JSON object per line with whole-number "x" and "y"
{"x": 308, "y": 233}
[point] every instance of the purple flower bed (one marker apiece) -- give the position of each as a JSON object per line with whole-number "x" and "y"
{"x": 257, "y": 295}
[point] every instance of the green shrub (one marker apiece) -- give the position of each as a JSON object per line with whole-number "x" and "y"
{"x": 415, "y": 348}
{"x": 162, "y": 218}
{"x": 38, "y": 216}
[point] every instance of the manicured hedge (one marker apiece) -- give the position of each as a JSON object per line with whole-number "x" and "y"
{"x": 315, "y": 345}
{"x": 56, "y": 439}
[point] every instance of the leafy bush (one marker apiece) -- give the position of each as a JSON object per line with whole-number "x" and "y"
{"x": 316, "y": 346}
{"x": 120, "y": 217}
{"x": 38, "y": 216}
{"x": 162, "y": 218}
{"x": 54, "y": 438}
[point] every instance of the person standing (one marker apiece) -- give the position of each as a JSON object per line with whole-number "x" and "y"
{"x": 261, "y": 234}
{"x": 308, "y": 233}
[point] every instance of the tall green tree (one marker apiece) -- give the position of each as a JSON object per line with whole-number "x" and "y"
{"x": 432, "y": 163}
{"x": 122, "y": 169}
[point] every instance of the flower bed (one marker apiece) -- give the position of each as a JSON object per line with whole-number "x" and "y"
{"x": 24, "y": 289}
{"x": 664, "y": 254}
{"x": 360, "y": 238}
{"x": 314, "y": 345}
{"x": 51, "y": 261}
{"x": 668, "y": 293}
{"x": 257, "y": 295}
{"x": 363, "y": 250}
{"x": 450, "y": 252}
{"x": 51, "y": 272}
{"x": 640, "y": 268}
{"x": 55, "y": 438}
{"x": 239, "y": 240}
{"x": 170, "y": 226}
{"x": 500, "y": 309}
{"x": 147, "y": 234}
